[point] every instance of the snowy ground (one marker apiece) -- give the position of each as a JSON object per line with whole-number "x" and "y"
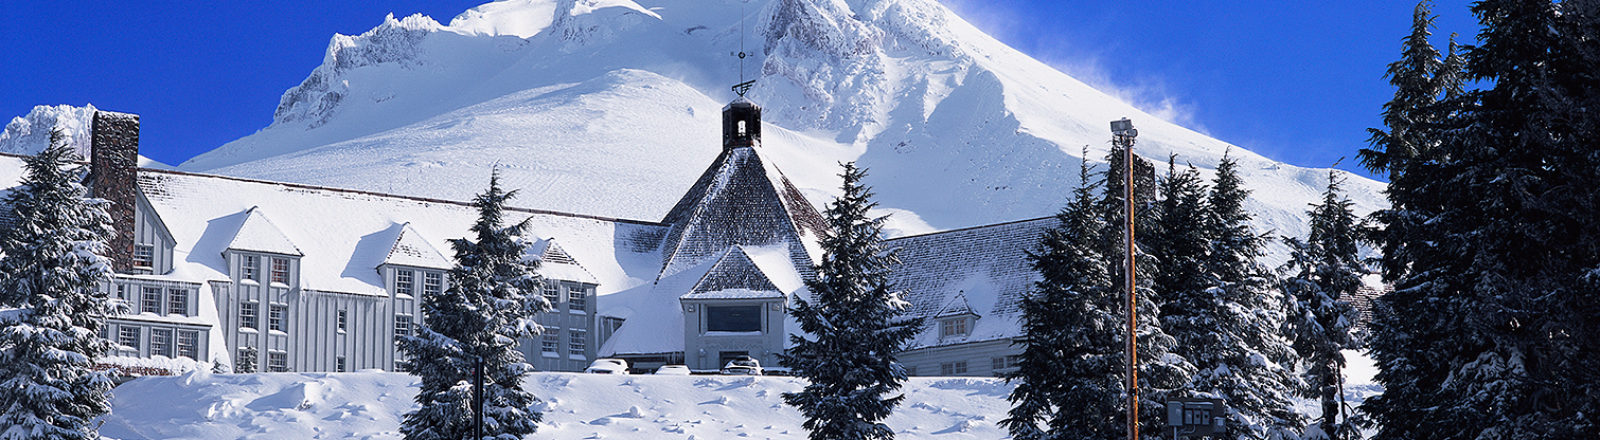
{"x": 368, "y": 405}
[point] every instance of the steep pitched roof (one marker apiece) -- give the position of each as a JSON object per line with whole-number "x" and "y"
{"x": 740, "y": 200}
{"x": 556, "y": 263}
{"x": 986, "y": 267}
{"x": 260, "y": 235}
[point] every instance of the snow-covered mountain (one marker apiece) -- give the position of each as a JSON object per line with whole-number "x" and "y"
{"x": 612, "y": 107}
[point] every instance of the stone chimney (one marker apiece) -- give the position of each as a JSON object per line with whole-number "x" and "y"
{"x": 741, "y": 124}
{"x": 113, "y": 176}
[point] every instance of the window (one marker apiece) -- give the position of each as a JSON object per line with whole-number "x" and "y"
{"x": 178, "y": 301}
{"x": 577, "y": 298}
{"x": 402, "y": 326}
{"x": 161, "y": 342}
{"x": 151, "y": 301}
{"x": 277, "y": 361}
{"x": 275, "y": 317}
{"x": 128, "y": 337}
{"x": 248, "y": 268}
{"x": 733, "y": 319}
{"x": 550, "y": 343}
{"x": 577, "y": 342}
{"x": 953, "y": 368}
{"x": 432, "y": 283}
{"x": 344, "y": 320}
{"x": 280, "y": 270}
{"x": 1004, "y": 362}
{"x": 247, "y": 360}
{"x": 338, "y": 364}
{"x": 144, "y": 255}
{"x": 552, "y": 293}
{"x": 189, "y": 344}
{"x": 911, "y": 370}
{"x": 404, "y": 282}
{"x": 954, "y": 327}
{"x": 249, "y": 315}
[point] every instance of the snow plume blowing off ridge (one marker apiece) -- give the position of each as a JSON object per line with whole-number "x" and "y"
{"x": 612, "y": 108}
{"x": 31, "y": 134}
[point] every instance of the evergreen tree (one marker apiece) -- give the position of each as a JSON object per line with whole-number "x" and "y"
{"x": 1322, "y": 269}
{"x": 1162, "y": 373}
{"x": 51, "y": 269}
{"x": 1069, "y": 377}
{"x": 1491, "y": 243}
{"x": 1219, "y": 306}
{"x": 491, "y": 300}
{"x": 855, "y": 318}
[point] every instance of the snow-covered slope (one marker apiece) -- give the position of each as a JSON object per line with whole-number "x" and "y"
{"x": 30, "y": 134}
{"x": 611, "y": 107}
{"x": 369, "y": 405}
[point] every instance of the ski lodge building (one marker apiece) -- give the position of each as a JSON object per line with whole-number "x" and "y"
{"x": 270, "y": 276}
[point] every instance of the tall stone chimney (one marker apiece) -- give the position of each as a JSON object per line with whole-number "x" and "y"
{"x": 113, "y": 176}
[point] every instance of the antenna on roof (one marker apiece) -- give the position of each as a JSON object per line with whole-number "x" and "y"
{"x": 743, "y": 86}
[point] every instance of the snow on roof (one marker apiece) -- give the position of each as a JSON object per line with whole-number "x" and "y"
{"x": 985, "y": 266}
{"x": 260, "y": 235}
{"x": 344, "y": 235}
{"x": 733, "y": 276}
{"x": 556, "y": 263}
{"x": 411, "y": 249}
{"x": 956, "y": 307}
{"x": 740, "y": 200}
{"x": 654, "y": 317}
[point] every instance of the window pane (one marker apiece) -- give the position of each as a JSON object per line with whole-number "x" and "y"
{"x": 404, "y": 282}
{"x": 432, "y": 283}
{"x": 188, "y": 344}
{"x": 161, "y": 342}
{"x": 248, "y": 267}
{"x": 578, "y": 298}
{"x": 275, "y": 317}
{"x": 178, "y": 301}
{"x": 577, "y": 342}
{"x": 402, "y": 325}
{"x": 551, "y": 342}
{"x": 280, "y": 270}
{"x": 277, "y": 361}
{"x": 249, "y": 315}
{"x": 733, "y": 319}
{"x": 128, "y": 337}
{"x": 247, "y": 360}
{"x": 144, "y": 255}
{"x": 151, "y": 301}
{"x": 344, "y": 320}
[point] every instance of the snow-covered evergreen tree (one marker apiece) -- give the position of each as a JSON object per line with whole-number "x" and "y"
{"x": 1069, "y": 382}
{"x": 491, "y": 300}
{"x": 1162, "y": 372}
{"x": 51, "y": 269}
{"x": 854, "y": 326}
{"x": 1323, "y": 268}
{"x": 1218, "y": 303}
{"x": 1492, "y": 245}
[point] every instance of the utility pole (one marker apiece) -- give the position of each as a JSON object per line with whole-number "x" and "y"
{"x": 1122, "y": 135}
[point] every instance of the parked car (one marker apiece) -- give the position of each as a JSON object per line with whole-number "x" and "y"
{"x": 607, "y": 366}
{"x": 742, "y": 366}
{"x": 673, "y": 370}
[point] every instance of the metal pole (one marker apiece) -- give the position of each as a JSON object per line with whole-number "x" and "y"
{"x": 1126, "y": 139}
{"x": 477, "y": 397}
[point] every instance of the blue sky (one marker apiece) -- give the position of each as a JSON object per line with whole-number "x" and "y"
{"x": 1296, "y": 81}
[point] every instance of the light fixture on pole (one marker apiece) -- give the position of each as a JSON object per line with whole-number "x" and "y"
{"x": 1122, "y": 132}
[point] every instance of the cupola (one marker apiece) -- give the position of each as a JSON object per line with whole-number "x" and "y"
{"x": 741, "y": 124}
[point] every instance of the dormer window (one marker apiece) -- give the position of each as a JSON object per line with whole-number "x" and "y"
{"x": 250, "y": 268}
{"x": 955, "y": 327}
{"x": 280, "y": 270}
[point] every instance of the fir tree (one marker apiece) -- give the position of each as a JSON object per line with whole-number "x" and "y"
{"x": 1219, "y": 306}
{"x": 1069, "y": 378}
{"x": 854, "y": 320}
{"x": 1162, "y": 372}
{"x": 1322, "y": 269}
{"x": 491, "y": 300}
{"x": 51, "y": 269}
{"x": 1491, "y": 243}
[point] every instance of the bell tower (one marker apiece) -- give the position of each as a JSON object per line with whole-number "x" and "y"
{"x": 741, "y": 124}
